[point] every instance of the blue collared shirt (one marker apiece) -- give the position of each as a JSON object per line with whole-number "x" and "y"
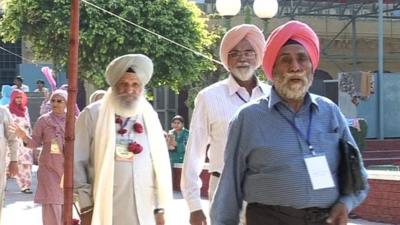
{"x": 264, "y": 157}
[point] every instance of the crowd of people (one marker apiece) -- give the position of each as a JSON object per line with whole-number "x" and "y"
{"x": 272, "y": 149}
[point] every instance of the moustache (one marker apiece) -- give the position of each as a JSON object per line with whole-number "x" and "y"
{"x": 297, "y": 76}
{"x": 127, "y": 95}
{"x": 243, "y": 64}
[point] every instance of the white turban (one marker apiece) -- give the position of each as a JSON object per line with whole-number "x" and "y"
{"x": 61, "y": 93}
{"x": 94, "y": 95}
{"x": 141, "y": 64}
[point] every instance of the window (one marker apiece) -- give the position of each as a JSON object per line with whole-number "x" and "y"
{"x": 9, "y": 62}
{"x": 166, "y": 105}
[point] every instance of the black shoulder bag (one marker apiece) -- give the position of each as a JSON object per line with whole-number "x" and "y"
{"x": 350, "y": 177}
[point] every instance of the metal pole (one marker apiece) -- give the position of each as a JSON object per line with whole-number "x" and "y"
{"x": 266, "y": 21}
{"x": 70, "y": 123}
{"x": 354, "y": 42}
{"x": 227, "y": 20}
{"x": 380, "y": 72}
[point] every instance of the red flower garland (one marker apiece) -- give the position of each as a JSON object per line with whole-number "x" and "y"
{"x": 75, "y": 221}
{"x": 138, "y": 128}
{"x": 118, "y": 120}
{"x": 135, "y": 147}
{"x": 122, "y": 130}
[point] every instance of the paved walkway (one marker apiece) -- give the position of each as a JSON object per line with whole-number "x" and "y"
{"x": 20, "y": 209}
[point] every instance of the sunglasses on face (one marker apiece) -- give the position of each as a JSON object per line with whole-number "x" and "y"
{"x": 57, "y": 100}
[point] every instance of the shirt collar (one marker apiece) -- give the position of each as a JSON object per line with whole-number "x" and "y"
{"x": 309, "y": 99}
{"x": 234, "y": 87}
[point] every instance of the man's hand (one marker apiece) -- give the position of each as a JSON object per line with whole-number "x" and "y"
{"x": 198, "y": 218}
{"x": 159, "y": 217}
{"x": 338, "y": 215}
{"x": 86, "y": 218}
{"x": 13, "y": 168}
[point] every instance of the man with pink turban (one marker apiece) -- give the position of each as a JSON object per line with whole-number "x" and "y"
{"x": 282, "y": 152}
{"x": 241, "y": 54}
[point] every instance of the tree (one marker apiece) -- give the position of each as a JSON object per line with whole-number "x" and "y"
{"x": 45, "y": 24}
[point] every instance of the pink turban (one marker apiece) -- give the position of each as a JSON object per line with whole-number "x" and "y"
{"x": 245, "y": 31}
{"x": 296, "y": 31}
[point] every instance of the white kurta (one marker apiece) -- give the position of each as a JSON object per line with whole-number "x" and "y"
{"x": 135, "y": 190}
{"x": 7, "y": 141}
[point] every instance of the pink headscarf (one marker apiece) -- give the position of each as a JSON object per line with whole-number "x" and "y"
{"x": 245, "y": 31}
{"x": 18, "y": 109}
{"x": 296, "y": 31}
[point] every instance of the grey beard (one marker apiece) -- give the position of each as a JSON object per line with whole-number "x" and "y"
{"x": 291, "y": 93}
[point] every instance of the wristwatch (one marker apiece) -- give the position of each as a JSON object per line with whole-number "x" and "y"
{"x": 158, "y": 210}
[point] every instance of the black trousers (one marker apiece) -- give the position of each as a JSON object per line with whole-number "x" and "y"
{"x": 259, "y": 214}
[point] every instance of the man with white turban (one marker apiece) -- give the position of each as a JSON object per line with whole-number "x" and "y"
{"x": 241, "y": 54}
{"x": 122, "y": 172}
{"x": 282, "y": 153}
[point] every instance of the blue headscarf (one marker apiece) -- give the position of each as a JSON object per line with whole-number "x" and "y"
{"x": 6, "y": 94}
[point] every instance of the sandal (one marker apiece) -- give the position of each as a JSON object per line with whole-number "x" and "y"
{"x": 27, "y": 191}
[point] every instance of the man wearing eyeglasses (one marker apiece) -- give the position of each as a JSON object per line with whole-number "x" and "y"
{"x": 241, "y": 54}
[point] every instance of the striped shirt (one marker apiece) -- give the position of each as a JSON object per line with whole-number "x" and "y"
{"x": 214, "y": 108}
{"x": 264, "y": 157}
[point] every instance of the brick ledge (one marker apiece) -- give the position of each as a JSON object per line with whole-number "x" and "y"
{"x": 383, "y": 175}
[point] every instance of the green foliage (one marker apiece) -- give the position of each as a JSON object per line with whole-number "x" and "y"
{"x": 211, "y": 77}
{"x": 45, "y": 24}
{"x": 247, "y": 14}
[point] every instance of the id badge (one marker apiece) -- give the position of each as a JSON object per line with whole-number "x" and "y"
{"x": 54, "y": 148}
{"x": 319, "y": 172}
{"x": 122, "y": 153}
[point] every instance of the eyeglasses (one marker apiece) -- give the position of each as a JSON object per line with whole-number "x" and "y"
{"x": 58, "y": 100}
{"x": 248, "y": 54}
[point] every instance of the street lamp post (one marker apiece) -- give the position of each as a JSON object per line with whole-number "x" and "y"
{"x": 228, "y": 9}
{"x": 264, "y": 9}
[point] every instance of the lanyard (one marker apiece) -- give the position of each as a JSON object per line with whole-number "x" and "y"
{"x": 244, "y": 100}
{"x": 305, "y": 138}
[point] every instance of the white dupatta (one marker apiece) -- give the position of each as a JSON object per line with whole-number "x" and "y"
{"x": 104, "y": 143}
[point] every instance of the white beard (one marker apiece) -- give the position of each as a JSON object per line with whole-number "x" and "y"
{"x": 243, "y": 73}
{"x": 125, "y": 108}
